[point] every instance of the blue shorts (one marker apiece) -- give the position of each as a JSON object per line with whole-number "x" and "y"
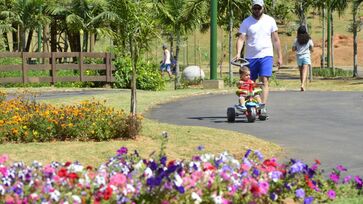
{"x": 261, "y": 67}
{"x": 164, "y": 67}
{"x": 303, "y": 59}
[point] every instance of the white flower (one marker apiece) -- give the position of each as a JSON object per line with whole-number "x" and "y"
{"x": 217, "y": 199}
{"x": 196, "y": 198}
{"x": 55, "y": 195}
{"x": 76, "y": 168}
{"x": 139, "y": 165}
{"x": 178, "y": 180}
{"x": 148, "y": 172}
{"x": 2, "y": 190}
{"x": 76, "y": 199}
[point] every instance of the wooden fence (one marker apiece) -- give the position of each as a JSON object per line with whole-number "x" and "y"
{"x": 56, "y": 61}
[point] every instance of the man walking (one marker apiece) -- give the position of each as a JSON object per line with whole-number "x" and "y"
{"x": 259, "y": 31}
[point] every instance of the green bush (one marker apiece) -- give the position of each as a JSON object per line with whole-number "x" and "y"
{"x": 328, "y": 72}
{"x": 148, "y": 76}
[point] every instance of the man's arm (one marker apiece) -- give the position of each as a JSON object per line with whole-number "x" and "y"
{"x": 239, "y": 45}
{"x": 277, "y": 46}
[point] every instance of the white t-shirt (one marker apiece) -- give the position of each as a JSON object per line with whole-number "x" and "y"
{"x": 258, "y": 36}
{"x": 166, "y": 57}
{"x": 303, "y": 49}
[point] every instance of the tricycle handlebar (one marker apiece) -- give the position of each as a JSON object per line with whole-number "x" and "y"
{"x": 240, "y": 62}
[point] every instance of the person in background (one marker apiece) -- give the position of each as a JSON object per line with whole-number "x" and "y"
{"x": 303, "y": 45}
{"x": 259, "y": 31}
{"x": 166, "y": 62}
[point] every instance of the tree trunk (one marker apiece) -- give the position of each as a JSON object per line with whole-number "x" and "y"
{"x": 230, "y": 29}
{"x": 29, "y": 40}
{"x": 177, "y": 71}
{"x": 6, "y": 41}
{"x": 328, "y": 49}
{"x": 22, "y": 38}
{"x": 323, "y": 38}
{"x": 53, "y": 36}
{"x": 355, "y": 44}
{"x": 133, "y": 80}
{"x": 332, "y": 44}
{"x": 85, "y": 41}
{"x": 92, "y": 41}
{"x": 15, "y": 38}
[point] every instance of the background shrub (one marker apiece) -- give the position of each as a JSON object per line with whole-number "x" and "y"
{"x": 148, "y": 75}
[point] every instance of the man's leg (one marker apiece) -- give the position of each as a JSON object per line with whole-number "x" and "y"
{"x": 265, "y": 88}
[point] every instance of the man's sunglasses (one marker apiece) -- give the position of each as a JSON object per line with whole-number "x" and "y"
{"x": 257, "y": 8}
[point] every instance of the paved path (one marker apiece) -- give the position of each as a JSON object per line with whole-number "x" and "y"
{"x": 309, "y": 125}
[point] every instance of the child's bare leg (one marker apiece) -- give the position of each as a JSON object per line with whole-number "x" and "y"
{"x": 258, "y": 99}
{"x": 303, "y": 76}
{"x": 241, "y": 100}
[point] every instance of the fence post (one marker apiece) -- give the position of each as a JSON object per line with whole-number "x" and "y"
{"x": 80, "y": 65}
{"x": 107, "y": 63}
{"x": 52, "y": 66}
{"x": 24, "y": 67}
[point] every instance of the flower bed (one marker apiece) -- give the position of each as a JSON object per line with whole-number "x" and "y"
{"x": 128, "y": 178}
{"x": 27, "y": 121}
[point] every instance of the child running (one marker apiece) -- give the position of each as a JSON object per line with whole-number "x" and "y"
{"x": 247, "y": 87}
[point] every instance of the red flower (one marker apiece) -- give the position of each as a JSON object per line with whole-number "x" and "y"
{"x": 317, "y": 161}
{"x": 62, "y": 172}
{"x": 107, "y": 193}
{"x": 67, "y": 164}
{"x": 72, "y": 176}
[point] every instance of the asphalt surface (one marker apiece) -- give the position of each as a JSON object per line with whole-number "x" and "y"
{"x": 310, "y": 125}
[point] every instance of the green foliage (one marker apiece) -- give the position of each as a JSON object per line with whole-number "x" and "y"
{"x": 89, "y": 121}
{"x": 148, "y": 76}
{"x": 329, "y": 73}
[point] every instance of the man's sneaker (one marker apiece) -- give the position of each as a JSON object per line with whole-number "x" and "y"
{"x": 263, "y": 114}
{"x": 261, "y": 105}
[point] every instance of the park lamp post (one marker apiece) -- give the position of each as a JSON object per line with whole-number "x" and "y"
{"x": 213, "y": 40}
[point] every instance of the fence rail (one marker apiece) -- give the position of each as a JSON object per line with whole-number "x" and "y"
{"x": 56, "y": 61}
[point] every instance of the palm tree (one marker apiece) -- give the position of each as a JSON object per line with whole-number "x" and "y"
{"x": 26, "y": 16}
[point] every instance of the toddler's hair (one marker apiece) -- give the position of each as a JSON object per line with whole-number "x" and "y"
{"x": 244, "y": 70}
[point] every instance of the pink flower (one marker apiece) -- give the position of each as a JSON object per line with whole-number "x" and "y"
{"x": 118, "y": 180}
{"x": 4, "y": 171}
{"x": 3, "y": 158}
{"x": 48, "y": 169}
{"x": 331, "y": 194}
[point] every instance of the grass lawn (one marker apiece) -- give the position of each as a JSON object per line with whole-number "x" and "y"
{"x": 183, "y": 140}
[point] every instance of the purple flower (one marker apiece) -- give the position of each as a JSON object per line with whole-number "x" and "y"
{"x": 334, "y": 177}
{"x": 273, "y": 196}
{"x": 200, "y": 148}
{"x": 331, "y": 194}
{"x": 308, "y": 200}
{"x": 259, "y": 155}
{"x": 358, "y": 181}
{"x": 163, "y": 160}
{"x": 300, "y": 193}
{"x": 248, "y": 153}
{"x": 121, "y": 151}
{"x": 347, "y": 179}
{"x": 255, "y": 172}
{"x": 341, "y": 168}
{"x": 298, "y": 167}
{"x": 275, "y": 175}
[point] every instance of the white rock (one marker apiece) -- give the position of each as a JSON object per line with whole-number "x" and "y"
{"x": 191, "y": 73}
